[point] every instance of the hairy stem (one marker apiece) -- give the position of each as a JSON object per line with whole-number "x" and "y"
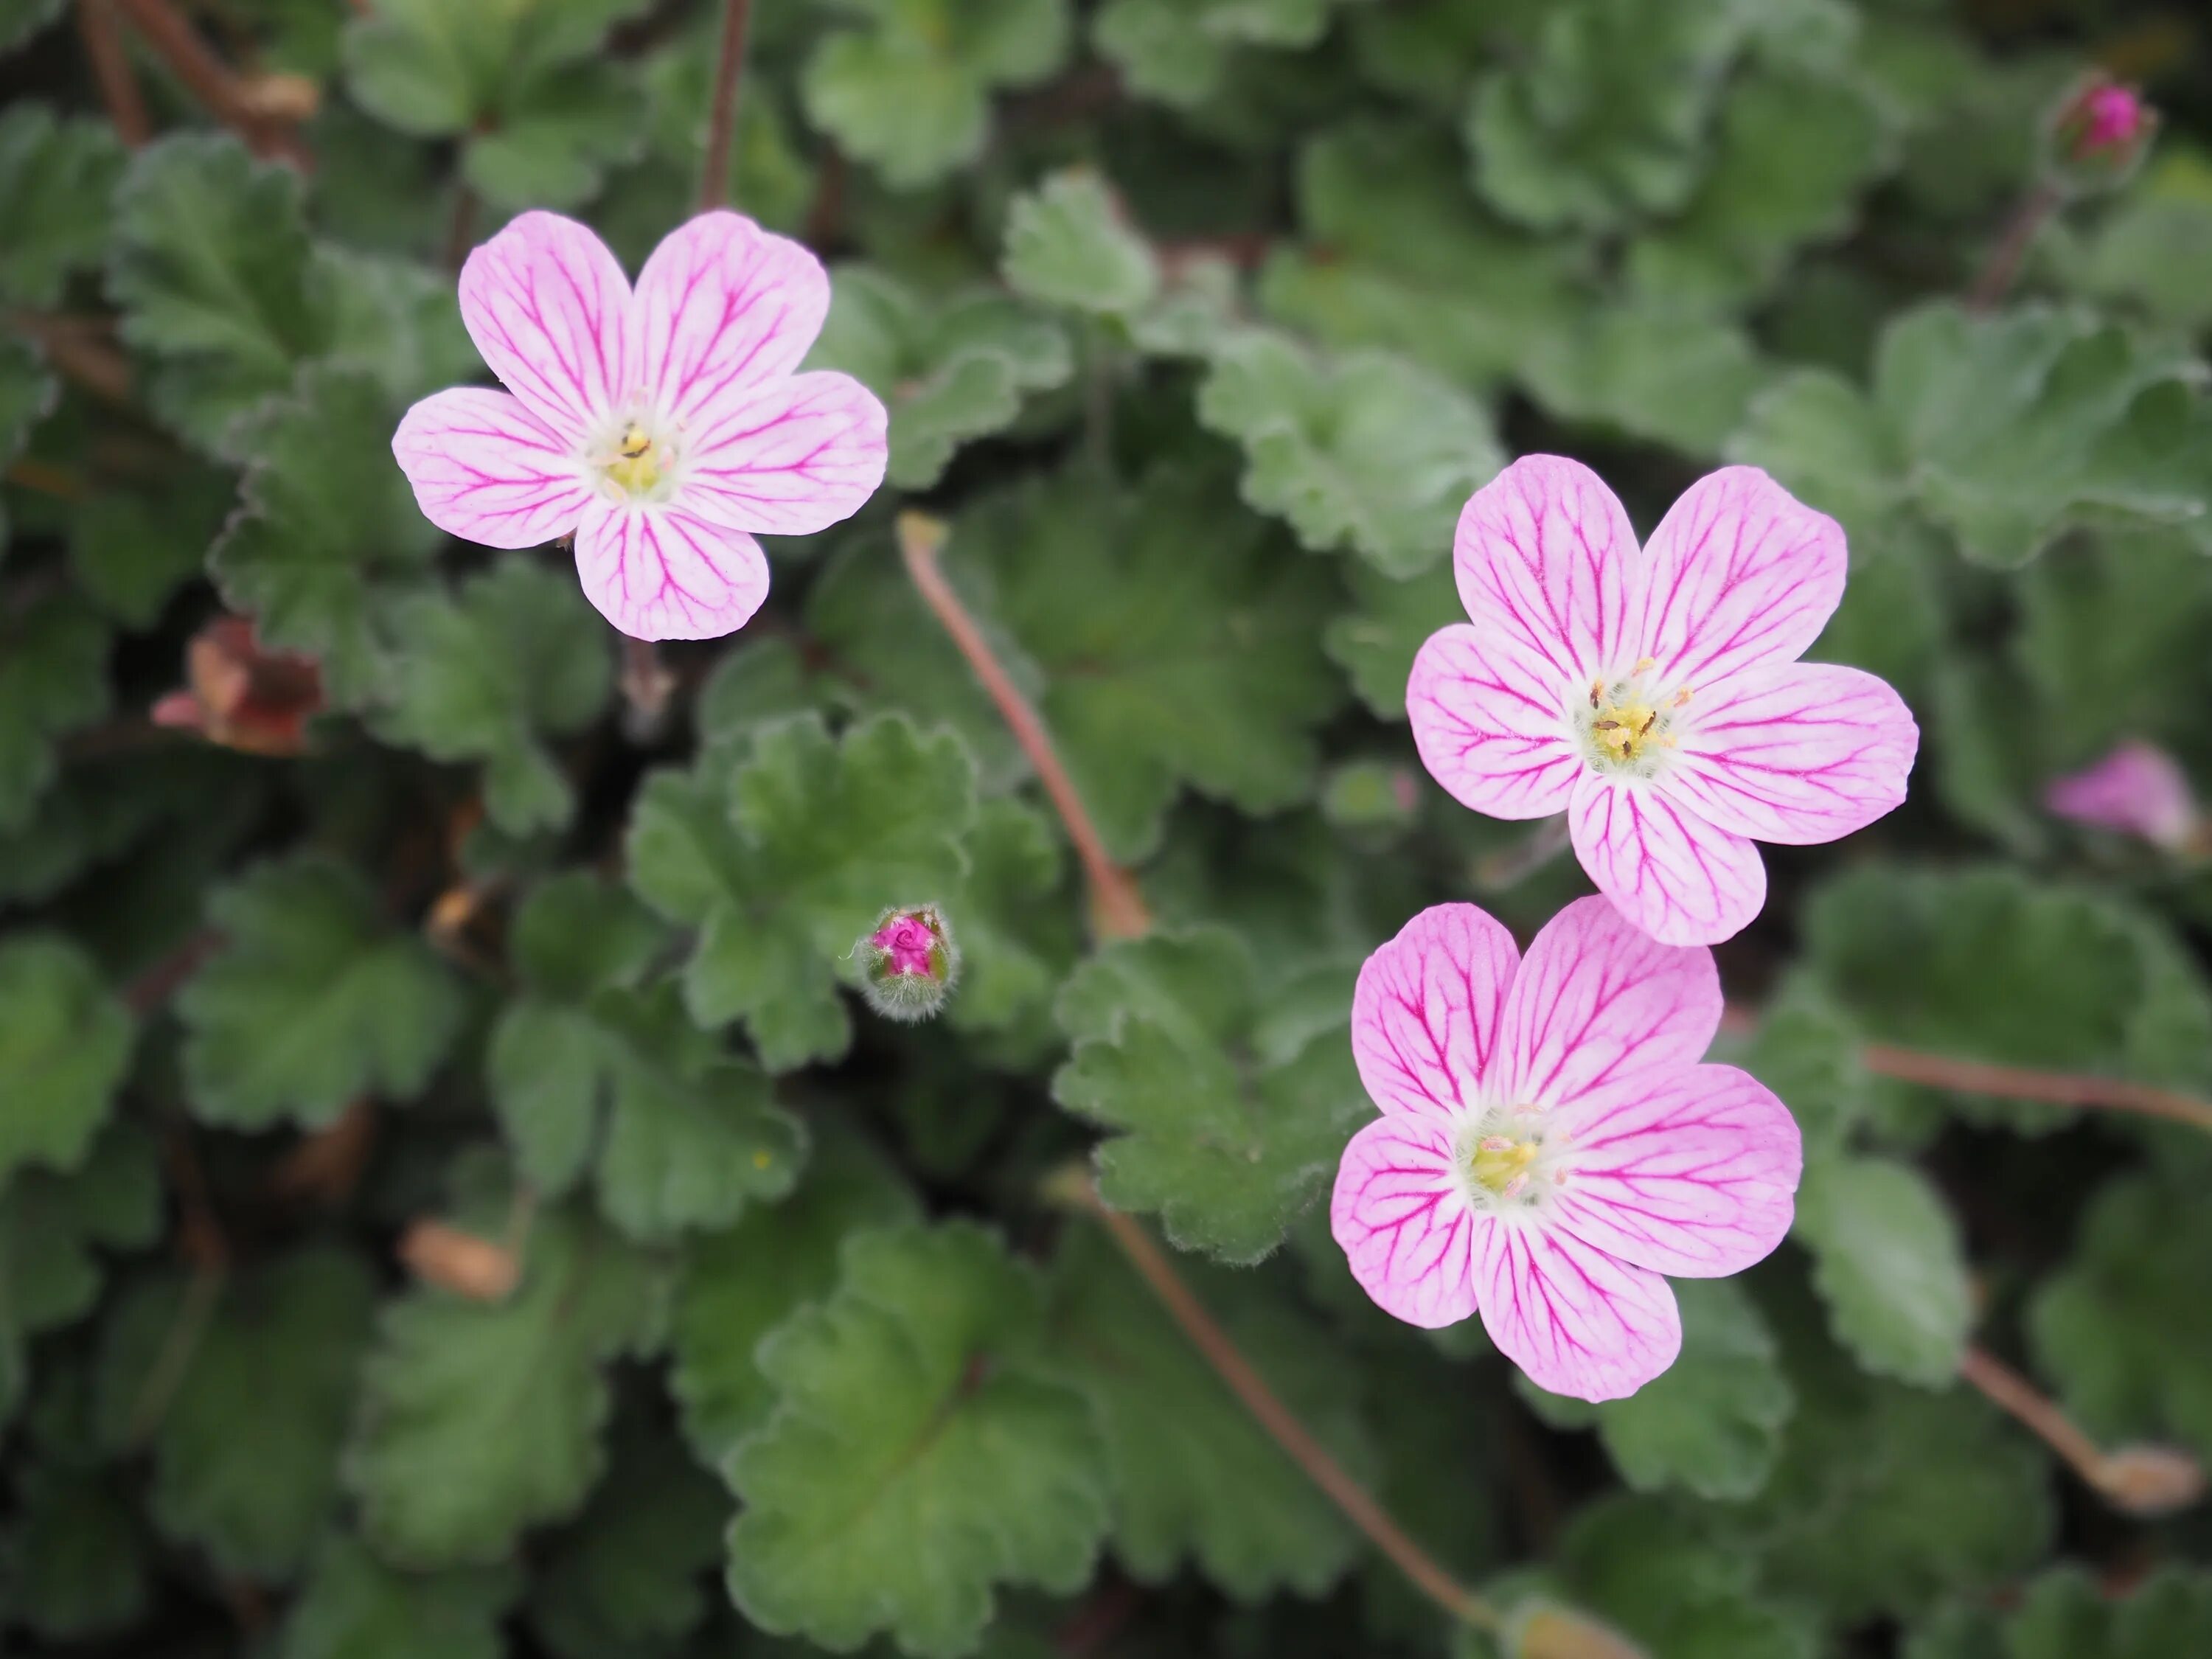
{"x": 1117, "y": 909}
{"x": 1074, "y": 1189}
{"x": 111, "y": 68}
{"x": 722, "y": 113}
{"x": 2138, "y": 1480}
{"x": 2020, "y": 233}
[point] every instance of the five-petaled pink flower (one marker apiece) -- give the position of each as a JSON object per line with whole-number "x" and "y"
{"x": 1550, "y": 1144}
{"x": 663, "y": 427}
{"x": 2138, "y": 790}
{"x": 1654, "y": 695}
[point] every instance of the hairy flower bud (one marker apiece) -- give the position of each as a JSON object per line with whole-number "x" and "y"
{"x": 2097, "y": 134}
{"x": 1552, "y": 1632}
{"x": 908, "y": 963}
{"x": 2136, "y": 790}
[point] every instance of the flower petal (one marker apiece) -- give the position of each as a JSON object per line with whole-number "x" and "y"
{"x": 485, "y": 469}
{"x": 1695, "y": 1177}
{"x": 1577, "y": 1321}
{"x": 1546, "y": 556}
{"x": 549, "y": 307}
{"x": 722, "y": 307}
{"x": 1739, "y": 572}
{"x": 790, "y": 457}
{"x": 1802, "y": 753}
{"x": 658, "y": 573}
{"x": 1425, "y": 1016}
{"x": 1490, "y": 721}
{"x": 1681, "y": 879}
{"x": 1600, "y": 1005}
{"x": 1406, "y": 1230}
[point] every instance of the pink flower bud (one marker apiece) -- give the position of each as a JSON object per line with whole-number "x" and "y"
{"x": 908, "y": 963}
{"x": 2097, "y": 134}
{"x": 2136, "y": 790}
{"x": 2151, "y": 1480}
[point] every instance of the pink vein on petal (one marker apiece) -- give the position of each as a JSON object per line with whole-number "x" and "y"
{"x": 1681, "y": 879}
{"x": 1426, "y": 1013}
{"x": 1545, "y": 555}
{"x": 1406, "y": 1232}
{"x": 1579, "y": 1321}
{"x": 548, "y": 308}
{"x": 658, "y": 573}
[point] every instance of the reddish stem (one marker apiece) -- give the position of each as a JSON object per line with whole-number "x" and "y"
{"x": 111, "y": 68}
{"x": 2019, "y": 232}
{"x": 722, "y": 113}
{"x": 210, "y": 79}
{"x": 1251, "y": 1389}
{"x": 1117, "y": 909}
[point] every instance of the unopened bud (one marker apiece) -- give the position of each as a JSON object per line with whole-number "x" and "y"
{"x": 2097, "y": 134}
{"x": 242, "y": 696}
{"x": 442, "y": 1255}
{"x": 2136, "y": 790}
{"x": 2150, "y": 1480}
{"x": 908, "y": 963}
{"x": 1553, "y": 1632}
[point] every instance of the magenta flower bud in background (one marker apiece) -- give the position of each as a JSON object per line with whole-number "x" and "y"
{"x": 908, "y": 963}
{"x": 2136, "y": 790}
{"x": 2098, "y": 134}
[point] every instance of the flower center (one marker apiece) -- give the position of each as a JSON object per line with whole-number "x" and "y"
{"x": 636, "y": 465}
{"x": 1507, "y": 1157}
{"x": 1628, "y": 727}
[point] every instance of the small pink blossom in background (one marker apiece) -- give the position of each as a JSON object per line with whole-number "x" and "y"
{"x": 1550, "y": 1144}
{"x": 906, "y": 943}
{"x": 2137, "y": 790}
{"x": 2097, "y": 133}
{"x": 2113, "y": 115}
{"x": 662, "y": 428}
{"x": 1653, "y": 694}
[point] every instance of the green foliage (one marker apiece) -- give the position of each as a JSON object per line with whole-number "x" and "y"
{"x": 1229, "y": 1119}
{"x": 313, "y": 1000}
{"x": 450, "y": 1206}
{"x": 914, "y": 1416}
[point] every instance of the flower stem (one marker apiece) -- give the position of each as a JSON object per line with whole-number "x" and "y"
{"x": 111, "y": 68}
{"x": 722, "y": 114}
{"x": 1073, "y": 1189}
{"x": 2140, "y": 1479}
{"x": 1117, "y": 909}
{"x": 2020, "y": 233}
{"x": 647, "y": 687}
{"x": 210, "y": 79}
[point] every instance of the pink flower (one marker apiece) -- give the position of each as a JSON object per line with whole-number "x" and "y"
{"x": 2112, "y": 116}
{"x": 1550, "y": 1145}
{"x": 2137, "y": 790}
{"x": 1654, "y": 695}
{"x": 663, "y": 429}
{"x": 905, "y": 942}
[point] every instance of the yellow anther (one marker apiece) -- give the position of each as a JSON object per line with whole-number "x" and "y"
{"x": 1499, "y": 1160}
{"x": 1681, "y": 696}
{"x": 636, "y": 466}
{"x": 1645, "y": 665}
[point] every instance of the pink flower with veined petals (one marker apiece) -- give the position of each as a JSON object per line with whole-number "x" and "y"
{"x": 663, "y": 428}
{"x": 1550, "y": 1143}
{"x": 1654, "y": 695}
{"x": 2137, "y": 790}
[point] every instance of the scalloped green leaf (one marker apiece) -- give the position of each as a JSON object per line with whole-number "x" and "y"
{"x": 65, "y": 1045}
{"x": 1067, "y": 246}
{"x": 1888, "y": 1261}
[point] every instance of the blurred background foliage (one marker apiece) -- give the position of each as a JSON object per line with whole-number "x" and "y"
{"x": 451, "y": 1204}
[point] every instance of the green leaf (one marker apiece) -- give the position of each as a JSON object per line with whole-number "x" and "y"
{"x": 1710, "y": 1424}
{"x": 948, "y": 371}
{"x": 2145, "y": 251}
{"x": 2117, "y": 1326}
{"x": 1635, "y": 1562}
{"x": 739, "y": 1284}
{"x": 908, "y": 90}
{"x": 1397, "y": 256}
{"x": 1607, "y": 121}
{"x": 1227, "y": 1128}
{"x": 1888, "y": 1262}
{"x": 27, "y": 396}
{"x": 132, "y": 551}
{"x": 587, "y": 1069}
{"x": 480, "y": 1419}
{"x": 1067, "y": 245}
{"x": 21, "y": 19}
{"x": 354, "y": 1607}
{"x": 1376, "y": 642}
{"x": 73, "y": 1561}
{"x": 1888, "y": 1497}
{"x": 209, "y": 263}
{"x": 1796, "y": 149}
{"x": 1193, "y": 1477}
{"x": 1373, "y": 455}
{"x": 2067, "y": 1614}
{"x": 783, "y": 860}
{"x": 625, "y": 1577}
{"x": 56, "y": 173}
{"x": 50, "y": 1227}
{"x": 1017, "y": 938}
{"x": 325, "y": 513}
{"x": 1652, "y": 371}
{"x": 1177, "y": 50}
{"x": 1158, "y": 600}
{"x": 1990, "y": 964}
{"x": 517, "y": 656}
{"x": 1824, "y": 439}
{"x": 53, "y": 681}
{"x": 560, "y": 132}
{"x": 64, "y": 1048}
{"x": 915, "y": 1420}
{"x": 246, "y": 1433}
{"x": 313, "y": 1001}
